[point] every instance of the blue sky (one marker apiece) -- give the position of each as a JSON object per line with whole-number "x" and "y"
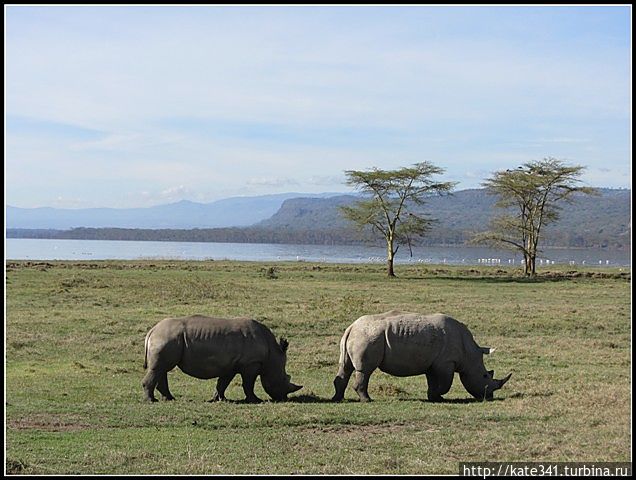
{"x": 138, "y": 106}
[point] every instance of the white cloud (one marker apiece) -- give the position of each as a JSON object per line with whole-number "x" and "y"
{"x": 607, "y": 177}
{"x": 175, "y": 192}
{"x": 127, "y": 141}
{"x": 326, "y": 180}
{"x": 271, "y": 182}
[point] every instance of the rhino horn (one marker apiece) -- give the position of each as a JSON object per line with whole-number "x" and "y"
{"x": 293, "y": 388}
{"x": 502, "y": 382}
{"x": 487, "y": 350}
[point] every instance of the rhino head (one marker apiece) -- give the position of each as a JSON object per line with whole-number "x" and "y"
{"x": 480, "y": 383}
{"x": 276, "y": 383}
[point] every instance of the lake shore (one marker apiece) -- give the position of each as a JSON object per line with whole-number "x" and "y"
{"x": 45, "y": 249}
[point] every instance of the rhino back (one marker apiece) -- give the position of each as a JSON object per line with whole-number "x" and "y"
{"x": 214, "y": 346}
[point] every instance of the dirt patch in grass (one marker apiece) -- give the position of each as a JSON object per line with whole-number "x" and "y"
{"x": 359, "y": 430}
{"x": 14, "y": 467}
{"x": 390, "y": 390}
{"x": 49, "y": 423}
{"x": 577, "y": 274}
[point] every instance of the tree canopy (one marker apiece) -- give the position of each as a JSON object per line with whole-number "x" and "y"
{"x": 388, "y": 200}
{"x": 530, "y": 197}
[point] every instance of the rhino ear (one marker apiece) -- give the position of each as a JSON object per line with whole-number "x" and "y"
{"x": 283, "y": 343}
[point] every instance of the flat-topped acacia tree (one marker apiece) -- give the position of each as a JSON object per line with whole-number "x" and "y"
{"x": 389, "y": 198}
{"x": 529, "y": 197}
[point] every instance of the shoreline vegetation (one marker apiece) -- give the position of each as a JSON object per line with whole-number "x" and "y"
{"x": 255, "y": 235}
{"x": 559, "y": 271}
{"x": 74, "y": 364}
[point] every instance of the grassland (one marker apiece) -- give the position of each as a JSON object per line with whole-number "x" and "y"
{"x": 74, "y": 356}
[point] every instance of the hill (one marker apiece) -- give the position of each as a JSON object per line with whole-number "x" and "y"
{"x": 590, "y": 221}
{"x": 229, "y": 212}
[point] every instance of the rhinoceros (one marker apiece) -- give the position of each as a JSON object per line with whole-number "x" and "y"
{"x": 206, "y": 347}
{"x": 405, "y": 344}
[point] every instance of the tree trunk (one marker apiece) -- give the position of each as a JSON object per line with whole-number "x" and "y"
{"x": 389, "y": 258}
{"x": 389, "y": 267}
{"x": 532, "y": 255}
{"x": 533, "y": 265}
{"x": 529, "y": 255}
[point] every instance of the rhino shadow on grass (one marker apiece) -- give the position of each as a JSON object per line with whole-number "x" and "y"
{"x": 309, "y": 398}
{"x": 316, "y": 399}
{"x": 459, "y": 401}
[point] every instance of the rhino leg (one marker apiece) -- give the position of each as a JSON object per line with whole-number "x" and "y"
{"x": 439, "y": 383}
{"x": 361, "y": 385}
{"x": 248, "y": 375}
{"x": 342, "y": 379}
{"x": 149, "y": 383}
{"x": 433, "y": 390}
{"x": 162, "y": 386}
{"x": 221, "y": 385}
{"x": 161, "y": 357}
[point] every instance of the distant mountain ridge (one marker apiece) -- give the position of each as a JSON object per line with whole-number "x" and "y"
{"x": 603, "y": 220}
{"x": 229, "y": 212}
{"x": 590, "y": 221}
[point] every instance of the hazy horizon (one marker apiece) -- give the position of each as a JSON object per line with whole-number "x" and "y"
{"x": 170, "y": 202}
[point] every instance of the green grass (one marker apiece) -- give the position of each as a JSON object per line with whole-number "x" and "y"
{"x": 74, "y": 356}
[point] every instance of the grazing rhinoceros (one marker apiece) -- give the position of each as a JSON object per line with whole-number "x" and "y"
{"x": 205, "y": 347}
{"x": 406, "y": 344}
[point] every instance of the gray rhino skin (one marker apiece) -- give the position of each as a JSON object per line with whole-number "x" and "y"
{"x": 405, "y": 344}
{"x": 206, "y": 347}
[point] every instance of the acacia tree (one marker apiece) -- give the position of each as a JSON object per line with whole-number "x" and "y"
{"x": 390, "y": 196}
{"x": 530, "y": 196}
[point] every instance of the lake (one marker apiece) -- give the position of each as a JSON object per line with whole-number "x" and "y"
{"x": 48, "y": 249}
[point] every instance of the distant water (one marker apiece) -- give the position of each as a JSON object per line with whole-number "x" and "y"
{"x": 48, "y": 249}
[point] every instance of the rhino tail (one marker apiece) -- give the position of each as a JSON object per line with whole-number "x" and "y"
{"x": 343, "y": 347}
{"x": 146, "y": 348}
